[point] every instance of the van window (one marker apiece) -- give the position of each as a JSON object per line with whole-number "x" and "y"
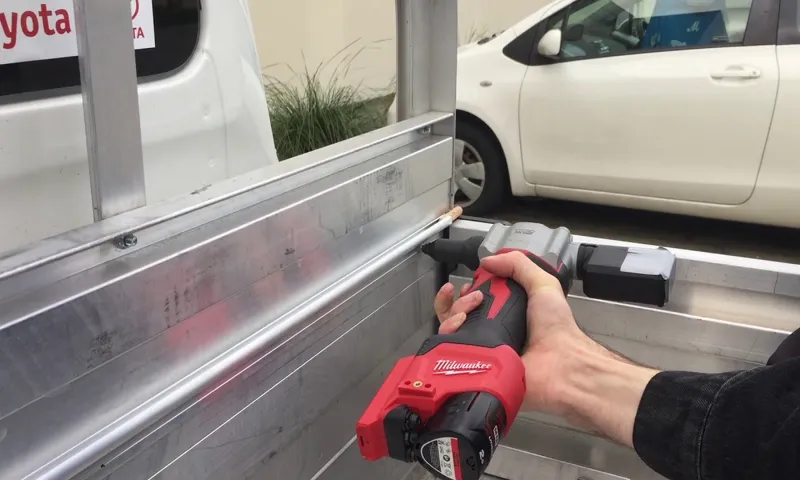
{"x": 37, "y": 42}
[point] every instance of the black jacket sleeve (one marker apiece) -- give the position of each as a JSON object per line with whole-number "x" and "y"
{"x": 729, "y": 426}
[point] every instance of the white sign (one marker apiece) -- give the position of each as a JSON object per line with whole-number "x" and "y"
{"x": 44, "y": 29}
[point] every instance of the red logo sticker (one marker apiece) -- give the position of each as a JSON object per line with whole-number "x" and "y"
{"x": 451, "y": 367}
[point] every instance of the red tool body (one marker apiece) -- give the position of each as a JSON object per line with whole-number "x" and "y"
{"x": 451, "y": 404}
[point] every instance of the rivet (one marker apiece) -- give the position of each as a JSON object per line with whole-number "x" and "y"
{"x": 126, "y": 241}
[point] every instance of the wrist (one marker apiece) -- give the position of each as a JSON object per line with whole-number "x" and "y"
{"x": 599, "y": 390}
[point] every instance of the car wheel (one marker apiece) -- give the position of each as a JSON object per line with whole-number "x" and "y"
{"x": 480, "y": 172}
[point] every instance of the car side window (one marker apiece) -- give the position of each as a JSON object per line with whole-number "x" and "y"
{"x": 33, "y": 41}
{"x": 597, "y": 28}
{"x": 789, "y": 23}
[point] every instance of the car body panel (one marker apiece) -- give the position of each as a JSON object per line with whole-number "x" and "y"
{"x": 777, "y": 191}
{"x": 488, "y": 87}
{"x": 205, "y": 122}
{"x": 650, "y": 124}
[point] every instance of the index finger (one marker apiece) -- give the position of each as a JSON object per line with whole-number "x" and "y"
{"x": 521, "y": 269}
{"x": 443, "y": 301}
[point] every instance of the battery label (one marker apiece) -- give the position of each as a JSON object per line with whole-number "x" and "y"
{"x": 442, "y": 455}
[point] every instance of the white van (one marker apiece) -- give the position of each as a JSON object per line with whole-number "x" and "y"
{"x": 203, "y": 110}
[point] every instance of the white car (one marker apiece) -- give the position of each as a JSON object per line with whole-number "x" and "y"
{"x": 682, "y": 106}
{"x": 203, "y": 111}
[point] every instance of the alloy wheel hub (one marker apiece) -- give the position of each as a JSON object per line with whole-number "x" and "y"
{"x": 469, "y": 173}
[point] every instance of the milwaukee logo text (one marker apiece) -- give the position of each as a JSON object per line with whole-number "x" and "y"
{"x": 451, "y": 367}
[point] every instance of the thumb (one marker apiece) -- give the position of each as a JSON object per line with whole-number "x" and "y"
{"x": 521, "y": 269}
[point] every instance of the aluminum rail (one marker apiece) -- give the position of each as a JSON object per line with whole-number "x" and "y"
{"x": 88, "y": 350}
{"x": 110, "y": 106}
{"x": 268, "y": 338}
{"x": 61, "y": 246}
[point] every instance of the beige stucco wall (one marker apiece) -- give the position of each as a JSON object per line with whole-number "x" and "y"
{"x": 294, "y": 33}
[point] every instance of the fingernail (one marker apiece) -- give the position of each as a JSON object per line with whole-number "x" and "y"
{"x": 476, "y": 294}
{"x": 447, "y": 287}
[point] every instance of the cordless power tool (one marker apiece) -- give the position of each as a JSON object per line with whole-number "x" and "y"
{"x": 449, "y": 406}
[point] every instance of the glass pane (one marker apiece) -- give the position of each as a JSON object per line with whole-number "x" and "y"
{"x": 39, "y": 51}
{"x": 611, "y": 27}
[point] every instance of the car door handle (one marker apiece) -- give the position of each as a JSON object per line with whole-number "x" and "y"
{"x": 736, "y": 72}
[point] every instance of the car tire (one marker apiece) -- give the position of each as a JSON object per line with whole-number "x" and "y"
{"x": 477, "y": 140}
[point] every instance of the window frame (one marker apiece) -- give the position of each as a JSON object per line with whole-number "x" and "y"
{"x": 147, "y": 64}
{"x": 789, "y": 23}
{"x": 761, "y": 29}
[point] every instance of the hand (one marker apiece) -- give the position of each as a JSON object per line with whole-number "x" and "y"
{"x": 551, "y": 326}
{"x": 453, "y": 313}
{"x": 566, "y": 373}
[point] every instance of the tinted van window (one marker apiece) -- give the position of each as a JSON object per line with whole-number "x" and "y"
{"x": 39, "y": 29}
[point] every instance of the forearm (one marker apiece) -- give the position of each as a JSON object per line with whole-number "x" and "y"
{"x": 686, "y": 425}
{"x": 602, "y": 391}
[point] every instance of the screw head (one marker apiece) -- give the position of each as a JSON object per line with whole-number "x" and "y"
{"x": 126, "y": 241}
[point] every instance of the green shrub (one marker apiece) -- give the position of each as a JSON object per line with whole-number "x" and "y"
{"x": 309, "y": 113}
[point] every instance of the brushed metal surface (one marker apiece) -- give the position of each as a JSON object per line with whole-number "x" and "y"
{"x": 507, "y": 464}
{"x": 125, "y": 362}
{"x": 294, "y": 408}
{"x": 426, "y": 77}
{"x": 284, "y": 176}
{"x": 246, "y": 330}
{"x": 112, "y": 308}
{"x": 552, "y": 438}
{"x": 23, "y": 296}
{"x": 514, "y": 464}
{"x": 110, "y": 106}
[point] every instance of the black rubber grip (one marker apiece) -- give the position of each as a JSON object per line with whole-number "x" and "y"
{"x": 501, "y": 319}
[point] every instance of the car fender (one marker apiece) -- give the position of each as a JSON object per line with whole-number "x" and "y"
{"x": 489, "y": 90}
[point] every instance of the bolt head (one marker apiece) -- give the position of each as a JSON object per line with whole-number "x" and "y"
{"x": 126, "y": 241}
